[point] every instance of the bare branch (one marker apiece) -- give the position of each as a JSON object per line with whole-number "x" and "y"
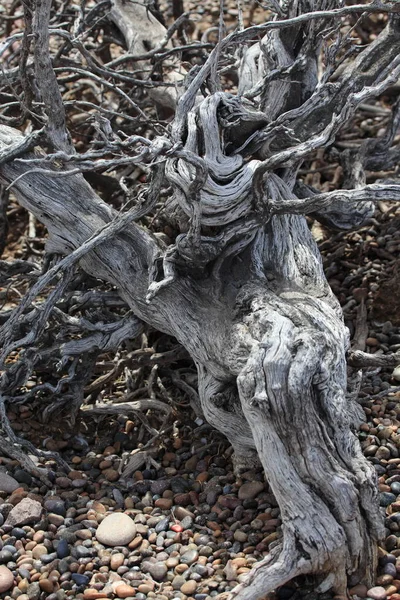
{"x": 46, "y": 79}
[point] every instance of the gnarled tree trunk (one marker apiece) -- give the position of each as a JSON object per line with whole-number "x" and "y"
{"x": 242, "y": 288}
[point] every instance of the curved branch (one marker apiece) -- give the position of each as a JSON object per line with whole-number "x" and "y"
{"x": 369, "y": 193}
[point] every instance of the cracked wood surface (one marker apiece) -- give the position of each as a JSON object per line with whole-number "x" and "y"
{"x": 243, "y": 288}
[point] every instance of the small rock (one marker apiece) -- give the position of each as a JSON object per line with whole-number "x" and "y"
{"x": 6, "y": 579}
{"x": 92, "y": 594}
{"x": 179, "y": 485}
{"x": 377, "y": 593}
{"x": 38, "y": 551}
{"x": 162, "y": 525}
{"x": 62, "y": 549}
{"x": 111, "y": 475}
{"x": 240, "y": 536}
{"x": 178, "y": 582}
{"x": 63, "y": 482}
{"x": 250, "y": 490}
{"x": 158, "y": 571}
{"x": 159, "y": 486}
{"x": 183, "y": 499}
{"x": 46, "y": 585}
{"x": 187, "y": 523}
{"x": 189, "y": 557}
{"x": 390, "y": 569}
{"x": 25, "y": 512}
{"x": 145, "y": 588}
{"x": 7, "y": 483}
{"x": 180, "y": 513}
{"x": 116, "y": 529}
{"x": 56, "y": 520}
{"x": 396, "y": 373}
{"x": 23, "y": 477}
{"x": 395, "y": 487}
{"x": 230, "y": 571}
{"x": 124, "y": 591}
{"x": 383, "y": 453}
{"x": 163, "y": 503}
{"x": 117, "y": 560}
{"x": 385, "y": 498}
{"x": 80, "y": 579}
{"x": 359, "y": 590}
{"x": 56, "y": 506}
{"x": 18, "y": 533}
{"x": 189, "y": 587}
{"x": 5, "y": 556}
{"x": 33, "y": 591}
{"x": 79, "y": 483}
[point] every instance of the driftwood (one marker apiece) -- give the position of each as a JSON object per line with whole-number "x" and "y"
{"x": 242, "y": 286}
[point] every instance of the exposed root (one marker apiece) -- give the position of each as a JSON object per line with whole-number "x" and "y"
{"x": 273, "y": 571}
{"x": 244, "y": 460}
{"x": 13, "y": 450}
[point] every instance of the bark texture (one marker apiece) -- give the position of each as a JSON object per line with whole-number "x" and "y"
{"x": 242, "y": 287}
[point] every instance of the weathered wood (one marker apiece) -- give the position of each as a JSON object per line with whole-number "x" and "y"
{"x": 242, "y": 287}
{"x": 145, "y": 35}
{"x": 281, "y": 338}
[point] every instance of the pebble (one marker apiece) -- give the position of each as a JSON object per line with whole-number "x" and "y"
{"x": 93, "y": 594}
{"x": 240, "y": 536}
{"x": 33, "y": 591}
{"x": 386, "y": 498}
{"x": 377, "y": 593}
{"x": 55, "y": 506}
{"x": 359, "y": 590}
{"x": 250, "y": 490}
{"x": 189, "y": 587}
{"x": 7, "y": 483}
{"x": 46, "y": 585}
{"x": 117, "y": 529}
{"x": 395, "y": 487}
{"x": 124, "y": 591}
{"x": 80, "y": 579}
{"x": 158, "y": 571}
{"x": 189, "y": 557}
{"x": 162, "y": 525}
{"x": 117, "y": 560}
{"x": 6, "y": 579}
{"x": 396, "y": 373}
{"x": 39, "y": 550}
{"x": 23, "y": 477}
{"x": 26, "y": 512}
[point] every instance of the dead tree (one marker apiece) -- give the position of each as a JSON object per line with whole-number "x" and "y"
{"x": 240, "y": 284}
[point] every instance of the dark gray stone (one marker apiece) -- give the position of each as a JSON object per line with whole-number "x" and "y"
{"x": 80, "y": 579}
{"x": 63, "y": 549}
{"x": 23, "y": 477}
{"x": 56, "y": 506}
{"x": 162, "y": 525}
{"x": 159, "y": 486}
{"x": 386, "y": 498}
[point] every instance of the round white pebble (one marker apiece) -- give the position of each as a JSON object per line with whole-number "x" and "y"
{"x": 117, "y": 529}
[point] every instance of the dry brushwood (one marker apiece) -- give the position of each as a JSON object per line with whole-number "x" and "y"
{"x": 233, "y": 273}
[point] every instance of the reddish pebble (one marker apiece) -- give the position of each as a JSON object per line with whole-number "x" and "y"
{"x": 124, "y": 591}
{"x": 163, "y": 503}
{"x": 176, "y": 527}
